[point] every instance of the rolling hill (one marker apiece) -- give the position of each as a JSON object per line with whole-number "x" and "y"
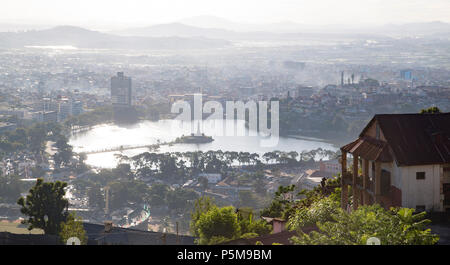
{"x": 84, "y": 38}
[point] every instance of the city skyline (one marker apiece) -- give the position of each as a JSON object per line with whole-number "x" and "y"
{"x": 241, "y": 122}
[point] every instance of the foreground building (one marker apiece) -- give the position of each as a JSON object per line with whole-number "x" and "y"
{"x": 400, "y": 160}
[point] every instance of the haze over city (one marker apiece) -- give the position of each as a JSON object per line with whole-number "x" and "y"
{"x": 239, "y": 122}
{"x": 233, "y": 14}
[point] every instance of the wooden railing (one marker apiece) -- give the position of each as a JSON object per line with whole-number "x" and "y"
{"x": 359, "y": 181}
{"x": 371, "y": 186}
{"x": 347, "y": 178}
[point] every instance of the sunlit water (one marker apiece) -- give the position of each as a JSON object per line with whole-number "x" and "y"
{"x": 54, "y": 47}
{"x": 149, "y": 132}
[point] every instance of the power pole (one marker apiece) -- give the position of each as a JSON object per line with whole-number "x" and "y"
{"x": 178, "y": 237}
{"x": 106, "y": 200}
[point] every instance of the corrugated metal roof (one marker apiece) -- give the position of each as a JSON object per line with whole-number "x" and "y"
{"x": 413, "y": 139}
{"x": 369, "y": 148}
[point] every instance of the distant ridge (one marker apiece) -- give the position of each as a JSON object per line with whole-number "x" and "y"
{"x": 282, "y": 30}
{"x": 85, "y": 38}
{"x": 175, "y": 29}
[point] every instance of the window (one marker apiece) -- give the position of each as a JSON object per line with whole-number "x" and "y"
{"x": 420, "y": 208}
{"x": 420, "y": 175}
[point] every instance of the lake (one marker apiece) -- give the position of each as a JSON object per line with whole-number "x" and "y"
{"x": 149, "y": 132}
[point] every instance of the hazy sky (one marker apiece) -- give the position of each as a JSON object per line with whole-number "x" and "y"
{"x": 145, "y": 12}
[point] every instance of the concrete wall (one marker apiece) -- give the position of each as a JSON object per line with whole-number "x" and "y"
{"x": 415, "y": 191}
{"x": 421, "y": 191}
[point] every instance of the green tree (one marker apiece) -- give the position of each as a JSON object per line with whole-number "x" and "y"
{"x": 281, "y": 204}
{"x": 10, "y": 188}
{"x": 319, "y": 211}
{"x": 249, "y": 199}
{"x": 45, "y": 206}
{"x": 218, "y": 224}
{"x": 19, "y": 135}
{"x": 96, "y": 198}
{"x": 125, "y": 192}
{"x": 73, "y": 227}
{"x": 431, "y": 110}
{"x": 203, "y": 182}
{"x": 201, "y": 206}
{"x": 260, "y": 187}
{"x": 37, "y": 135}
{"x": 214, "y": 225}
{"x": 180, "y": 199}
{"x": 250, "y": 226}
{"x": 64, "y": 154}
{"x": 397, "y": 226}
{"x": 156, "y": 195}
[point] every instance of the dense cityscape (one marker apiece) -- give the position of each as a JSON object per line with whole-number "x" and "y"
{"x": 85, "y": 118}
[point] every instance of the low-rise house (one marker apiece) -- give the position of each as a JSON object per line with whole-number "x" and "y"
{"x": 212, "y": 178}
{"x": 332, "y": 166}
{"x": 312, "y": 178}
{"x": 7, "y": 127}
{"x": 404, "y": 160}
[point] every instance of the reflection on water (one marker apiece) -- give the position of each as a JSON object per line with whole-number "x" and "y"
{"x": 149, "y": 132}
{"x": 54, "y": 47}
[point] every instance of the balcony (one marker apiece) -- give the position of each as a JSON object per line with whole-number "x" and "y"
{"x": 359, "y": 182}
{"x": 347, "y": 178}
{"x": 370, "y": 187}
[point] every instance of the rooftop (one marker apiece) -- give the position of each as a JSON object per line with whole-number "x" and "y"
{"x": 412, "y": 139}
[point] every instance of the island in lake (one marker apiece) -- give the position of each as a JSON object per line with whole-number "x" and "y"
{"x": 194, "y": 139}
{"x": 197, "y": 138}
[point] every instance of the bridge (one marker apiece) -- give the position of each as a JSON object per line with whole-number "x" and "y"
{"x": 84, "y": 128}
{"x": 125, "y": 147}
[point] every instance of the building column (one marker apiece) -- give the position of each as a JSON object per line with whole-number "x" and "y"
{"x": 344, "y": 187}
{"x": 354, "y": 186}
{"x": 377, "y": 182}
{"x": 365, "y": 167}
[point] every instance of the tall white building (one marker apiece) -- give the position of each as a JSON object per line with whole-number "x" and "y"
{"x": 63, "y": 107}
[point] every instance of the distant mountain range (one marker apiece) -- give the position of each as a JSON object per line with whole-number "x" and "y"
{"x": 84, "y": 38}
{"x": 429, "y": 28}
{"x": 183, "y": 30}
{"x": 182, "y": 36}
{"x": 422, "y": 28}
{"x": 175, "y": 29}
{"x": 228, "y": 30}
